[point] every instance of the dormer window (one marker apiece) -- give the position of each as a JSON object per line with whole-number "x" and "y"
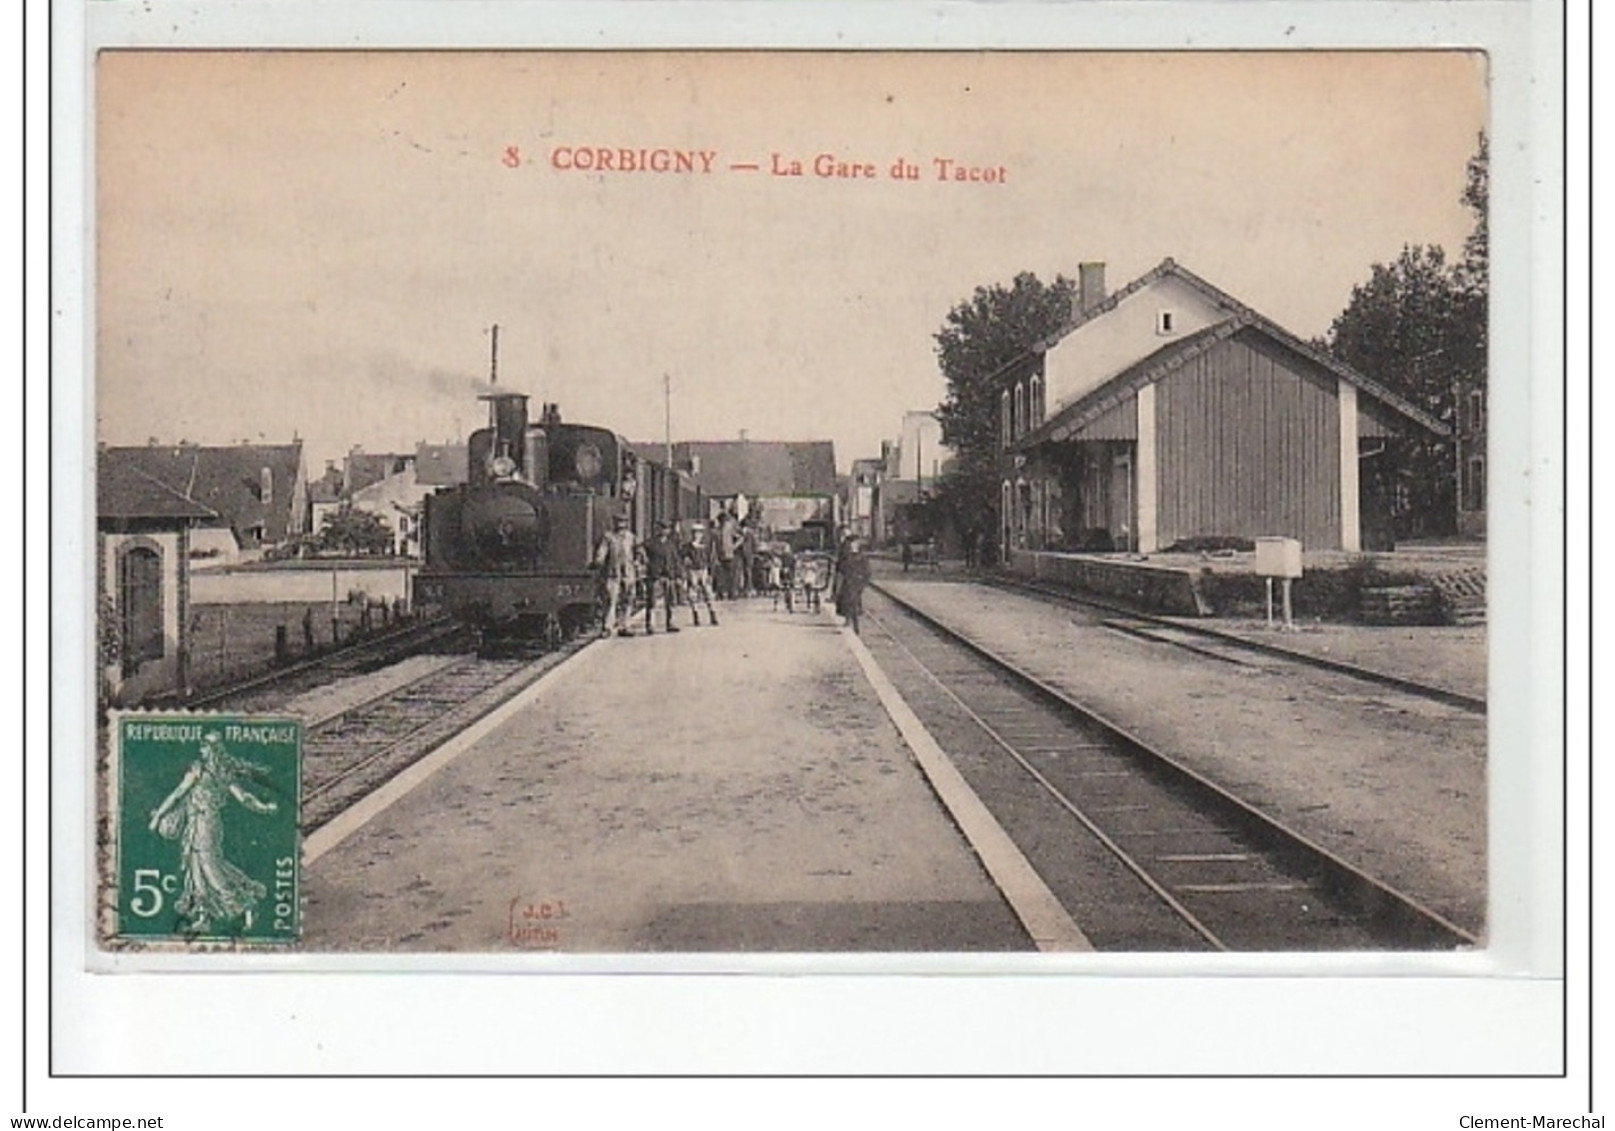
{"x": 1166, "y": 322}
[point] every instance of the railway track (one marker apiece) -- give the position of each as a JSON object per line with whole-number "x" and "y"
{"x": 1227, "y": 646}
{"x": 352, "y": 752}
{"x": 270, "y": 690}
{"x": 1145, "y": 853}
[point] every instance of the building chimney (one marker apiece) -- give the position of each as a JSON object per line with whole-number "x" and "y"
{"x": 1090, "y": 285}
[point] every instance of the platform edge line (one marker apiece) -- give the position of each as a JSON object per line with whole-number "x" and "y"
{"x": 1044, "y": 917}
{"x": 372, "y": 805}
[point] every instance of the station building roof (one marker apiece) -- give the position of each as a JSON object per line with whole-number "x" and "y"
{"x": 1070, "y": 419}
{"x": 229, "y": 480}
{"x": 123, "y": 492}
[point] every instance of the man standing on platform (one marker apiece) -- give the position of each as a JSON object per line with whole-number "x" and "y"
{"x": 615, "y": 557}
{"x": 853, "y": 576}
{"x": 662, "y": 567}
{"x": 728, "y": 541}
{"x": 697, "y": 555}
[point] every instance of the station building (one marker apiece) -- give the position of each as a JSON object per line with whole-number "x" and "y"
{"x": 143, "y": 532}
{"x": 1168, "y": 411}
{"x": 257, "y": 493}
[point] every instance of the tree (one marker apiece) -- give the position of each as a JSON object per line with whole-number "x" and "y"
{"x": 978, "y": 338}
{"x": 1418, "y": 327}
{"x": 347, "y": 530}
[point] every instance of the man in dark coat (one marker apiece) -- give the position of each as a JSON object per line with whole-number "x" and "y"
{"x": 662, "y": 567}
{"x": 853, "y": 576}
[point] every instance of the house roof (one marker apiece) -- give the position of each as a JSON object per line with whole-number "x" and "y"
{"x": 761, "y": 467}
{"x": 124, "y": 491}
{"x": 327, "y": 488}
{"x": 1157, "y": 364}
{"x": 361, "y": 469}
{"x": 442, "y": 465}
{"x": 228, "y": 479}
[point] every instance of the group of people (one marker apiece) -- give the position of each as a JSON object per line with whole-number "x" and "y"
{"x": 673, "y": 572}
{"x": 668, "y": 570}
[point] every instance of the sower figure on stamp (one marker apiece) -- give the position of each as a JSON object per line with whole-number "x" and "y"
{"x": 215, "y": 890}
{"x": 697, "y": 554}
{"x": 661, "y": 575}
{"x": 615, "y": 557}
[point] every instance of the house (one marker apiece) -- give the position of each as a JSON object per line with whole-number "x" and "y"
{"x": 911, "y": 466}
{"x": 862, "y": 488}
{"x": 1169, "y": 412}
{"x": 783, "y": 483}
{"x": 442, "y": 465}
{"x": 398, "y": 499}
{"x": 324, "y": 496}
{"x": 390, "y": 485}
{"x": 143, "y": 531}
{"x": 258, "y": 493}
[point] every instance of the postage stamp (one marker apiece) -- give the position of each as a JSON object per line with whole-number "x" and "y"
{"x": 206, "y": 812}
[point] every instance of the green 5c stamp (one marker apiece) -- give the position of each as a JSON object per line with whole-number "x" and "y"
{"x": 207, "y": 819}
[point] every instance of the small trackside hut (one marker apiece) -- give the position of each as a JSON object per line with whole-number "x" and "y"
{"x": 1169, "y": 412}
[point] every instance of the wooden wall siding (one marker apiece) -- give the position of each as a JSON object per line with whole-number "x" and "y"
{"x": 1120, "y": 422}
{"x": 1373, "y": 420}
{"x": 1248, "y": 444}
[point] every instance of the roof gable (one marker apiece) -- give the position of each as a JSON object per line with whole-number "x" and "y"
{"x": 762, "y": 467}
{"x": 124, "y": 491}
{"x": 229, "y": 480}
{"x": 1071, "y": 419}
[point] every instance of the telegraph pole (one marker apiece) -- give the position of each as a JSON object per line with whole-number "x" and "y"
{"x": 493, "y": 375}
{"x": 667, "y": 417}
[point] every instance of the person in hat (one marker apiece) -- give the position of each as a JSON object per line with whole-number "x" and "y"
{"x": 615, "y": 558}
{"x": 697, "y": 557}
{"x": 662, "y": 568}
{"x": 852, "y": 576}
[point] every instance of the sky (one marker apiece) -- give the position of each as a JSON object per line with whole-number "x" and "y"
{"x": 316, "y": 244}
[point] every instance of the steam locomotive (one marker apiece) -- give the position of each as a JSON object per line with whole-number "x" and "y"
{"x": 510, "y": 551}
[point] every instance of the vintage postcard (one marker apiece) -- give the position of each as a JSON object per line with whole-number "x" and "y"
{"x": 687, "y": 511}
{"x": 748, "y": 502}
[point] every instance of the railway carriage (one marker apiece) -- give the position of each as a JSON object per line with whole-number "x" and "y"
{"x": 510, "y": 552}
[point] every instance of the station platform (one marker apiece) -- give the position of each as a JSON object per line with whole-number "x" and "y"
{"x": 725, "y": 789}
{"x": 1394, "y": 785}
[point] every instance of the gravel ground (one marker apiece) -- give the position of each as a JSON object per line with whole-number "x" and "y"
{"x": 1396, "y": 785}
{"x": 344, "y": 694}
{"x": 1452, "y": 658}
{"x": 728, "y": 789}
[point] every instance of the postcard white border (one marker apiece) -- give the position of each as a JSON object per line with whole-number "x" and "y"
{"x": 1496, "y": 1013}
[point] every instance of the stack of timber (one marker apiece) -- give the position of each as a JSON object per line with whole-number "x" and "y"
{"x": 1400, "y": 604}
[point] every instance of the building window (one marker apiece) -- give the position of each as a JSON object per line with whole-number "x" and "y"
{"x": 1165, "y": 322}
{"x": 140, "y": 606}
{"x": 1474, "y": 485}
{"x": 1019, "y": 427}
{"x": 1003, "y": 418}
{"x": 1037, "y": 401}
{"x": 1477, "y": 409}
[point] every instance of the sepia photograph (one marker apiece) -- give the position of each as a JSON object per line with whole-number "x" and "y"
{"x": 743, "y": 502}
